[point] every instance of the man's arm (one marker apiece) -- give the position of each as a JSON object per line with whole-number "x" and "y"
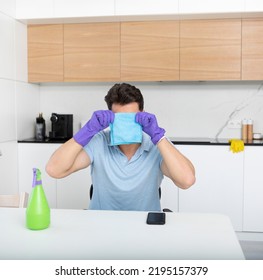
{"x": 68, "y": 158}
{"x": 175, "y": 165}
{"x": 71, "y": 156}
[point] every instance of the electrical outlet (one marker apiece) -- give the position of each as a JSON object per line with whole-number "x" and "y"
{"x": 234, "y": 124}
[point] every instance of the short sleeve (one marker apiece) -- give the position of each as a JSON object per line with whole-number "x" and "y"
{"x": 96, "y": 143}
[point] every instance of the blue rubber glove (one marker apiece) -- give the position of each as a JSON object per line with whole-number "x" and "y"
{"x": 150, "y": 126}
{"x": 99, "y": 120}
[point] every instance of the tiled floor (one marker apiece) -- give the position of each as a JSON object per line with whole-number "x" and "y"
{"x": 253, "y": 250}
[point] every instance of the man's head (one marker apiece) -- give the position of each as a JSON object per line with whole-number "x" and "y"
{"x": 124, "y": 94}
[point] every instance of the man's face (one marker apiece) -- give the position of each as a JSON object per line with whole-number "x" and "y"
{"x": 132, "y": 107}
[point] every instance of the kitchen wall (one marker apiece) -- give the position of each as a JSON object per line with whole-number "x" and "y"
{"x": 7, "y": 73}
{"x": 27, "y": 95}
{"x": 19, "y": 101}
{"x": 192, "y": 109}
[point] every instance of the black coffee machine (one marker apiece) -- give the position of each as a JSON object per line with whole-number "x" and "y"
{"x": 61, "y": 126}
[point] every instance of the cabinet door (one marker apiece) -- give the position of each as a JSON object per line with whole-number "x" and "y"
{"x": 169, "y": 195}
{"x": 253, "y": 189}
{"x": 150, "y": 51}
{"x": 219, "y": 183}
{"x": 210, "y": 49}
{"x": 73, "y": 191}
{"x": 8, "y": 168}
{"x": 92, "y": 52}
{"x": 252, "y": 49}
{"x": 45, "y": 53}
{"x": 36, "y": 155}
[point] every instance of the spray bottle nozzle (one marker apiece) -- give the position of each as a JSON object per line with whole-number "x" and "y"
{"x": 36, "y": 177}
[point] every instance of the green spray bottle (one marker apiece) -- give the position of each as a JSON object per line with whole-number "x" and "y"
{"x": 38, "y": 211}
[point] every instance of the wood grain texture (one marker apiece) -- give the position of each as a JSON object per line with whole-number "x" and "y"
{"x": 150, "y": 51}
{"x": 45, "y": 53}
{"x": 210, "y": 49}
{"x": 252, "y": 49}
{"x": 92, "y": 52}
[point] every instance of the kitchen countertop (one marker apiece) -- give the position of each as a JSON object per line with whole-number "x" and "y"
{"x": 209, "y": 141}
{"x": 175, "y": 140}
{"x": 46, "y": 141}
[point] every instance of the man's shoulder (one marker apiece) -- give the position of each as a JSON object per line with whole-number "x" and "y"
{"x": 98, "y": 140}
{"x": 102, "y": 137}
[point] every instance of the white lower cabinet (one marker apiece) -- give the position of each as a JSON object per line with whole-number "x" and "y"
{"x": 70, "y": 192}
{"x": 253, "y": 189}
{"x": 219, "y": 182}
{"x": 32, "y": 156}
{"x": 169, "y": 195}
{"x": 8, "y": 167}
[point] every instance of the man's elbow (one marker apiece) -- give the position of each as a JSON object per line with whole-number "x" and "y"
{"x": 51, "y": 171}
{"x": 187, "y": 182}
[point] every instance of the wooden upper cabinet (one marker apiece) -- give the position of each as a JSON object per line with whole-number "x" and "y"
{"x": 45, "y": 53}
{"x": 92, "y": 52}
{"x": 252, "y": 49}
{"x": 146, "y": 51}
{"x": 210, "y": 49}
{"x": 150, "y": 51}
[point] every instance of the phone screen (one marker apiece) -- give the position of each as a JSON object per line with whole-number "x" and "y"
{"x": 155, "y": 218}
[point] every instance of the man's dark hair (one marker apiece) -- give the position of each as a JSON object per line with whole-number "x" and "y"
{"x": 124, "y": 94}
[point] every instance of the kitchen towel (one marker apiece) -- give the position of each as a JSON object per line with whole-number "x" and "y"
{"x": 125, "y": 130}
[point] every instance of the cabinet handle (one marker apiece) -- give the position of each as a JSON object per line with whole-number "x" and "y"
{"x": 1, "y": 153}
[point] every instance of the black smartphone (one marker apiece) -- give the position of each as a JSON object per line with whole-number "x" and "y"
{"x": 155, "y": 218}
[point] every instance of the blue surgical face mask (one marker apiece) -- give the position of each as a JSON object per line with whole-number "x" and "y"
{"x": 125, "y": 130}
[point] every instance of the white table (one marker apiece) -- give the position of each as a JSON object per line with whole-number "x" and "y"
{"x": 84, "y": 234}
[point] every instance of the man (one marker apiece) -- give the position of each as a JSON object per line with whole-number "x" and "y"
{"x": 125, "y": 176}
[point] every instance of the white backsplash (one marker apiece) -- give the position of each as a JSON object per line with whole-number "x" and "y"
{"x": 192, "y": 109}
